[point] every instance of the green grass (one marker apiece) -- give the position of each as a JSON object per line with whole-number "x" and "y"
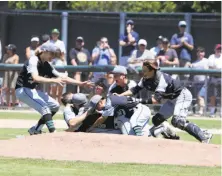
{"x": 32, "y": 167}
{"x": 208, "y": 124}
{"x": 186, "y": 137}
{"x": 25, "y": 116}
{"x": 8, "y": 133}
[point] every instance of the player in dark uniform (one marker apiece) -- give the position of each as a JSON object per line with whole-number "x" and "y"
{"x": 38, "y": 70}
{"x": 80, "y": 118}
{"x": 178, "y": 100}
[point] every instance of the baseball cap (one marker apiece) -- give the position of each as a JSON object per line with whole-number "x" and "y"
{"x": 56, "y": 31}
{"x": 49, "y": 47}
{"x": 94, "y": 101}
{"x": 218, "y": 46}
{"x": 45, "y": 37}
{"x": 79, "y": 98}
{"x": 165, "y": 40}
{"x": 142, "y": 42}
{"x": 118, "y": 69}
{"x": 130, "y": 22}
{"x": 80, "y": 38}
{"x": 182, "y": 23}
{"x": 153, "y": 63}
{"x": 34, "y": 39}
{"x": 160, "y": 38}
{"x": 11, "y": 47}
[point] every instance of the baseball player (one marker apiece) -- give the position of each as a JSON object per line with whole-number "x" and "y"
{"x": 178, "y": 100}
{"x": 122, "y": 84}
{"x": 38, "y": 70}
{"x": 132, "y": 117}
{"x": 80, "y": 118}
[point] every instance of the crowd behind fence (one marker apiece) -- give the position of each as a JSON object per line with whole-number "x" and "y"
{"x": 180, "y": 42}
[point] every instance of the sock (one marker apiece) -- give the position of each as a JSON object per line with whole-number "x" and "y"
{"x": 49, "y": 122}
{"x": 138, "y": 130}
{"x": 212, "y": 110}
{"x": 40, "y": 124}
{"x": 195, "y": 131}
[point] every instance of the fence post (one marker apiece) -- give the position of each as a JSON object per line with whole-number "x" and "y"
{"x": 188, "y": 18}
{"x": 121, "y": 30}
{"x": 205, "y": 97}
{"x": 65, "y": 30}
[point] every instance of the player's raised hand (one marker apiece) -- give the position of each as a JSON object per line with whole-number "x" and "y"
{"x": 88, "y": 84}
{"x": 59, "y": 81}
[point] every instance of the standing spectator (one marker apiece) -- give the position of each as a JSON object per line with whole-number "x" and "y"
{"x": 215, "y": 62}
{"x": 168, "y": 56}
{"x": 10, "y": 77}
{"x": 56, "y": 90}
{"x": 128, "y": 41}
{"x": 199, "y": 80}
{"x": 138, "y": 56}
{"x": 159, "y": 45}
{"x": 30, "y": 51}
{"x": 45, "y": 38}
{"x": 102, "y": 55}
{"x": 182, "y": 42}
{"x": 80, "y": 56}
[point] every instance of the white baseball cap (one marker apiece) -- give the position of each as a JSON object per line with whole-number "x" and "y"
{"x": 34, "y": 39}
{"x": 142, "y": 42}
{"x": 182, "y": 23}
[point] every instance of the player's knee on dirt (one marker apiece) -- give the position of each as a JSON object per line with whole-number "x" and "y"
{"x": 158, "y": 119}
{"x": 179, "y": 122}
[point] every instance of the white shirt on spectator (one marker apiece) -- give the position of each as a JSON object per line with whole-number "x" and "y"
{"x": 200, "y": 64}
{"x": 215, "y": 62}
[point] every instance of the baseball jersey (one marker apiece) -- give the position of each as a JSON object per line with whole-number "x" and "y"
{"x": 114, "y": 88}
{"x": 162, "y": 84}
{"x": 117, "y": 106}
{"x": 33, "y": 65}
{"x": 71, "y": 112}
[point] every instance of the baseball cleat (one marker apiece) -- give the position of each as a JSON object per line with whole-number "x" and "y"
{"x": 33, "y": 131}
{"x": 208, "y": 137}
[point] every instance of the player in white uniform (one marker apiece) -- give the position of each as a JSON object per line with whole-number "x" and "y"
{"x": 178, "y": 100}
{"x": 38, "y": 70}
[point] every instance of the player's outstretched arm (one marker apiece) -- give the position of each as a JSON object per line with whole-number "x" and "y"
{"x": 79, "y": 83}
{"x": 41, "y": 79}
{"x": 98, "y": 122}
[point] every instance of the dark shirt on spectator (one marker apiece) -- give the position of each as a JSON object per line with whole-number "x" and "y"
{"x": 82, "y": 56}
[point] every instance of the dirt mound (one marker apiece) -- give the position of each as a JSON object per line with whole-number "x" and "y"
{"x": 111, "y": 149}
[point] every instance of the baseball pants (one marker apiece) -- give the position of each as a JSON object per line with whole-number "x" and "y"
{"x": 37, "y": 100}
{"x": 178, "y": 106}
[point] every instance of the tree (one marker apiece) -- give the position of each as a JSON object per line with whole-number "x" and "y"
{"x": 130, "y": 6}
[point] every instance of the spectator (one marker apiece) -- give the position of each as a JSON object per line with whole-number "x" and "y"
{"x": 158, "y": 46}
{"x": 138, "y": 56}
{"x": 56, "y": 90}
{"x": 102, "y": 55}
{"x": 182, "y": 42}
{"x": 167, "y": 57}
{"x": 30, "y": 51}
{"x": 215, "y": 62}
{"x": 80, "y": 56}
{"x": 45, "y": 38}
{"x": 10, "y": 77}
{"x": 199, "y": 80}
{"x": 128, "y": 41}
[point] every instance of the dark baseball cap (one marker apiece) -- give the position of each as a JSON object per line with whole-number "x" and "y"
{"x": 80, "y": 38}
{"x": 94, "y": 101}
{"x": 153, "y": 63}
{"x": 11, "y": 47}
{"x": 130, "y": 22}
{"x": 160, "y": 38}
{"x": 165, "y": 40}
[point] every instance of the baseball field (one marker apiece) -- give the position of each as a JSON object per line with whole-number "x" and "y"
{"x": 102, "y": 154}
